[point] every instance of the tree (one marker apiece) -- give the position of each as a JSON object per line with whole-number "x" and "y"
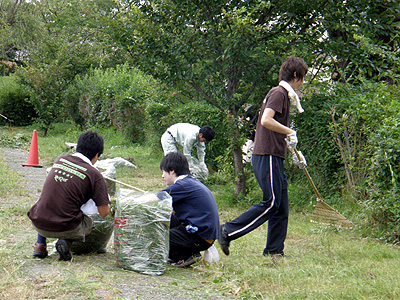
{"x": 67, "y": 45}
{"x": 227, "y": 53}
{"x": 360, "y": 38}
{"x": 18, "y": 28}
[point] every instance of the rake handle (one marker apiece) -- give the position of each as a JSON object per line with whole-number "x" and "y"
{"x": 309, "y": 177}
{"x": 130, "y": 186}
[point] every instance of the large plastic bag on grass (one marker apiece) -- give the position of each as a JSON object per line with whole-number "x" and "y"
{"x": 141, "y": 231}
{"x": 108, "y": 168}
{"x": 116, "y": 162}
{"x": 98, "y": 238}
{"x": 197, "y": 171}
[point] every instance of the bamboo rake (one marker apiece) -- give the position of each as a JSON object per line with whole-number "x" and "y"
{"x": 323, "y": 213}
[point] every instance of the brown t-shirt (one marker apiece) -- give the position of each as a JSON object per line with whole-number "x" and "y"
{"x": 268, "y": 142}
{"x": 70, "y": 183}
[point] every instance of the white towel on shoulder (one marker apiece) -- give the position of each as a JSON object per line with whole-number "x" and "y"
{"x": 294, "y": 98}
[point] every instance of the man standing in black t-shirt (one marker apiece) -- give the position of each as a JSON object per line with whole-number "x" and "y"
{"x": 273, "y": 138}
{"x": 72, "y": 181}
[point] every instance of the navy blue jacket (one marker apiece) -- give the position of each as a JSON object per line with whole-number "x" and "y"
{"x": 194, "y": 204}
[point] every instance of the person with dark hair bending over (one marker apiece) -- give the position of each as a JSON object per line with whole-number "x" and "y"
{"x": 72, "y": 182}
{"x": 195, "y": 221}
{"x": 189, "y": 136}
{"x": 272, "y": 140}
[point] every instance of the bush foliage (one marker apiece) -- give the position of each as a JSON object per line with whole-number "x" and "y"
{"x": 14, "y": 103}
{"x": 114, "y": 98}
{"x": 350, "y": 136}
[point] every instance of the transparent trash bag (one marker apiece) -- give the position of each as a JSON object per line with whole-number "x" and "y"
{"x": 108, "y": 168}
{"x": 197, "y": 171}
{"x": 98, "y": 238}
{"x": 141, "y": 231}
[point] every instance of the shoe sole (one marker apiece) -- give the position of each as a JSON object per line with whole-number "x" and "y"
{"x": 39, "y": 255}
{"x": 63, "y": 249}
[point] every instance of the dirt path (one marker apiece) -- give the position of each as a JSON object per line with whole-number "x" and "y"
{"x": 174, "y": 284}
{"x": 33, "y": 178}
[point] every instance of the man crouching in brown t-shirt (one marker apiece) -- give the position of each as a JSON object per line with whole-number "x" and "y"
{"x": 72, "y": 182}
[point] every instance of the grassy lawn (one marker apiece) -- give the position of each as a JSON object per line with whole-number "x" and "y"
{"x": 323, "y": 262}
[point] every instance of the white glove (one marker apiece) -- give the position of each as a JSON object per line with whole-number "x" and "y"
{"x": 301, "y": 163}
{"x": 203, "y": 166}
{"x": 291, "y": 141}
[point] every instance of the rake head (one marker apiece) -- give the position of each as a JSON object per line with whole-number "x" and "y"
{"x": 325, "y": 214}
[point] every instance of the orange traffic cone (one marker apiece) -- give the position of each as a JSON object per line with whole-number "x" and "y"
{"x": 33, "y": 157}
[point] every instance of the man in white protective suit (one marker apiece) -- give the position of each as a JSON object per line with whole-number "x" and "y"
{"x": 189, "y": 136}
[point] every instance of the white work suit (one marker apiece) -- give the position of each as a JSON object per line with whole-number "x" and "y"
{"x": 186, "y": 135}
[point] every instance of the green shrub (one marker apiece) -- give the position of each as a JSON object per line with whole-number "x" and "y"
{"x": 383, "y": 182}
{"x": 14, "y": 103}
{"x": 114, "y": 98}
{"x": 156, "y": 112}
{"x": 350, "y": 137}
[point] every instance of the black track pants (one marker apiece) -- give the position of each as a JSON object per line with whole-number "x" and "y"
{"x": 274, "y": 207}
{"x": 183, "y": 244}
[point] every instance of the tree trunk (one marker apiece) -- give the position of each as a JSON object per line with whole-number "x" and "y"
{"x": 46, "y": 128}
{"x": 240, "y": 178}
{"x": 345, "y": 155}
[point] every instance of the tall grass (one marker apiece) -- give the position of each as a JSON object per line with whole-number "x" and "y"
{"x": 322, "y": 262}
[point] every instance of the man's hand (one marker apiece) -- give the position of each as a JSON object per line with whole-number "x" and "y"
{"x": 300, "y": 162}
{"x": 291, "y": 141}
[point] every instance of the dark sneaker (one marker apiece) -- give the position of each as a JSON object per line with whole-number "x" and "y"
{"x": 187, "y": 262}
{"x": 63, "y": 249}
{"x": 40, "y": 250}
{"x": 224, "y": 240}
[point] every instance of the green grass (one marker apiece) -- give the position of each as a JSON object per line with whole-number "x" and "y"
{"x": 323, "y": 262}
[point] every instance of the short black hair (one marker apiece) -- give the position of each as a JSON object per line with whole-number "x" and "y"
{"x": 175, "y": 161}
{"x": 89, "y": 144}
{"x": 208, "y": 133}
{"x": 292, "y": 65}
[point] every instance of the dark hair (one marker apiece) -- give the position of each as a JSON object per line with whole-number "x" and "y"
{"x": 175, "y": 161}
{"x": 208, "y": 133}
{"x": 293, "y": 65}
{"x": 89, "y": 144}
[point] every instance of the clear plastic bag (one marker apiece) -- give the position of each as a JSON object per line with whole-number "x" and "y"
{"x": 98, "y": 238}
{"x": 141, "y": 231}
{"x": 197, "y": 171}
{"x": 110, "y": 166}
{"x": 211, "y": 255}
